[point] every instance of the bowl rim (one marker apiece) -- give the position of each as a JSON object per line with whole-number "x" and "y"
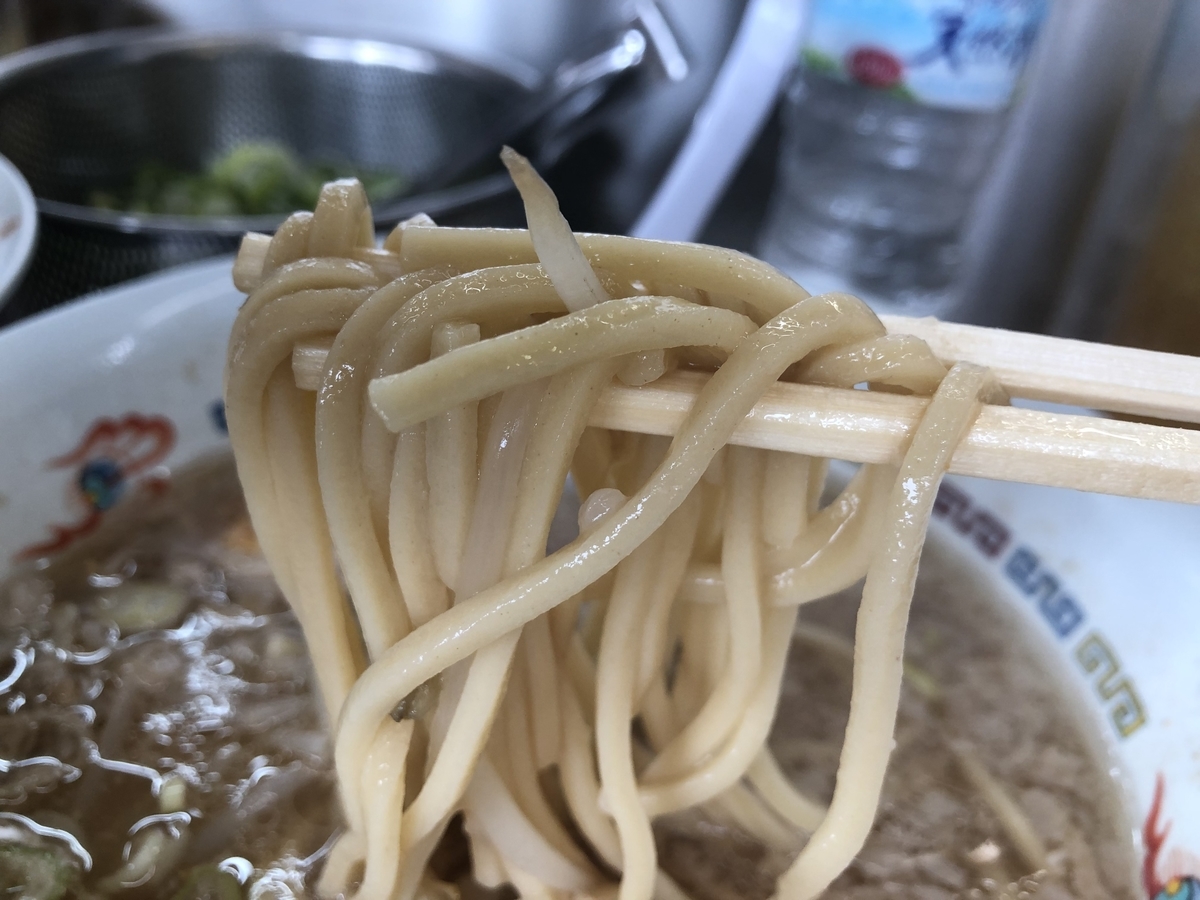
{"x": 139, "y": 44}
{"x": 27, "y": 230}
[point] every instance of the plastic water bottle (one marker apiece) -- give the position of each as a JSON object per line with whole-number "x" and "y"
{"x": 889, "y": 125}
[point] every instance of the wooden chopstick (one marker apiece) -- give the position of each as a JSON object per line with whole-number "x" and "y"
{"x": 1006, "y": 443}
{"x": 1076, "y": 373}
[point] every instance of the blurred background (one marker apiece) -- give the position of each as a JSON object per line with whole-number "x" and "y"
{"x": 1030, "y": 164}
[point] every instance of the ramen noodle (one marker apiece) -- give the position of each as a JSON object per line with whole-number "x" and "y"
{"x": 562, "y": 703}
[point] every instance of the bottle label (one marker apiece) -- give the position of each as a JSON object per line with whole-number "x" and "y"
{"x": 957, "y": 54}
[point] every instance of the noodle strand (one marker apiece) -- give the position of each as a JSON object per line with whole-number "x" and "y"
{"x": 633, "y": 673}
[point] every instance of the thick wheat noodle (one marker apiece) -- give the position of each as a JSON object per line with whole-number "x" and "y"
{"x": 383, "y": 784}
{"x": 564, "y": 620}
{"x": 581, "y": 787}
{"x": 699, "y": 406}
{"x": 459, "y": 729}
{"x": 896, "y": 359}
{"x": 517, "y": 841}
{"x": 311, "y": 581}
{"x": 541, "y": 683}
{"x": 522, "y": 770}
{"x": 277, "y": 324}
{"x": 290, "y": 242}
{"x": 739, "y": 559}
{"x": 655, "y": 637}
{"x": 704, "y": 637}
{"x": 727, "y": 276}
{"x": 345, "y": 856}
{"x": 829, "y": 556}
{"x": 559, "y": 856}
{"x": 451, "y": 456}
{"x": 404, "y": 341}
{"x": 735, "y": 804}
{"x": 341, "y": 412}
{"x": 451, "y": 774}
{"x": 729, "y": 763}
{"x": 500, "y": 474}
{"x": 341, "y": 221}
{"x": 615, "y": 672}
{"x": 772, "y": 785}
{"x": 457, "y": 740}
{"x": 561, "y": 419}
{"x": 879, "y": 637}
{"x": 316, "y": 599}
{"x": 657, "y": 710}
{"x": 471, "y": 696}
{"x": 480, "y": 296}
{"x": 785, "y": 498}
{"x": 741, "y": 808}
{"x": 725, "y": 400}
{"x": 359, "y": 545}
{"x": 473, "y": 372}
{"x": 425, "y": 594}
{"x": 482, "y": 357}
{"x": 581, "y": 672}
{"x": 301, "y": 275}
{"x": 699, "y": 669}
{"x": 703, "y": 646}
{"x": 745, "y": 810}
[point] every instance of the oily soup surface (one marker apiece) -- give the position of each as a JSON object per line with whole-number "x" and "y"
{"x": 161, "y": 739}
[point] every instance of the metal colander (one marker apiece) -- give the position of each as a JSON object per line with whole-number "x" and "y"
{"x": 86, "y": 114}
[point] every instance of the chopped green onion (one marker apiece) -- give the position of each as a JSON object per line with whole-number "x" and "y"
{"x": 254, "y": 178}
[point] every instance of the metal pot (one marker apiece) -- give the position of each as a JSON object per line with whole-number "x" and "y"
{"x": 87, "y": 113}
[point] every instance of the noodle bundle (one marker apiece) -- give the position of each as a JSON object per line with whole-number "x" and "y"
{"x": 562, "y": 702}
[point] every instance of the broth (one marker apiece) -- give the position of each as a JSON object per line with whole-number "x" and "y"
{"x": 158, "y": 721}
{"x": 974, "y": 676}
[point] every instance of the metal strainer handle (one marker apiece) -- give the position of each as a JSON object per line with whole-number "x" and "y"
{"x": 571, "y": 92}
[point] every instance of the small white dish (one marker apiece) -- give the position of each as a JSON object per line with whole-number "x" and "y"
{"x": 18, "y": 227}
{"x": 1108, "y": 587}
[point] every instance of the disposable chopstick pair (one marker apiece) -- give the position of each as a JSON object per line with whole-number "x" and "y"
{"x": 1083, "y": 452}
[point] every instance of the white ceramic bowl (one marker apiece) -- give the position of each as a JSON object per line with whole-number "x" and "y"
{"x": 1110, "y": 587}
{"x": 18, "y": 227}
